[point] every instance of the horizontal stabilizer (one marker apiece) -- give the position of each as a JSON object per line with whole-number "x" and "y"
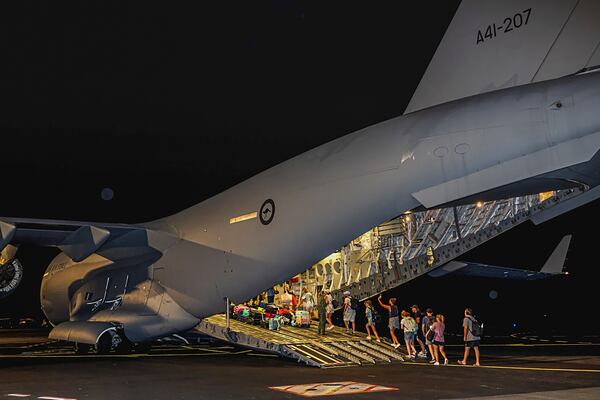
{"x": 556, "y": 262}
{"x": 448, "y": 269}
{"x": 553, "y": 266}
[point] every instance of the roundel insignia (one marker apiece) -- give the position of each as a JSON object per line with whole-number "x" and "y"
{"x": 267, "y": 212}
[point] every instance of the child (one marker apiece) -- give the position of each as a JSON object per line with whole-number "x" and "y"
{"x": 409, "y": 326}
{"x": 438, "y": 328}
{"x": 369, "y": 313}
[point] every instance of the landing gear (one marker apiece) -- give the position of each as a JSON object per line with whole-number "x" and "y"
{"x": 104, "y": 343}
{"x": 82, "y": 348}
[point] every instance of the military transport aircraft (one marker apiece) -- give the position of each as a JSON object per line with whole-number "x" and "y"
{"x": 509, "y": 105}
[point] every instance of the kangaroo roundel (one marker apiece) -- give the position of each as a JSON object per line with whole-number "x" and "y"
{"x": 267, "y": 212}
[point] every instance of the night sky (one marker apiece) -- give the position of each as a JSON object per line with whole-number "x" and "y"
{"x": 168, "y": 105}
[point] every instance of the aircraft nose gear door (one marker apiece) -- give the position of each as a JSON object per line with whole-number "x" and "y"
{"x": 155, "y": 293}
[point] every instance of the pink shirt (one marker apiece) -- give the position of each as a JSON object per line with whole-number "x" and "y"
{"x": 438, "y": 331}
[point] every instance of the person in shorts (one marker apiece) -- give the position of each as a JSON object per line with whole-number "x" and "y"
{"x": 471, "y": 341}
{"x": 428, "y": 320}
{"x": 439, "y": 342}
{"x": 370, "y": 326}
{"x": 394, "y": 319}
{"x": 420, "y": 337}
{"x": 410, "y": 327}
{"x": 349, "y": 313}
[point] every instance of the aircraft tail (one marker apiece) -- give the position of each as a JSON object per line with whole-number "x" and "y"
{"x": 556, "y": 261}
{"x": 491, "y": 45}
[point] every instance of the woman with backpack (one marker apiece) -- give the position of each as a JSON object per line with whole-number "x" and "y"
{"x": 394, "y": 320}
{"x": 371, "y": 315}
{"x": 409, "y": 326}
{"x": 437, "y": 329}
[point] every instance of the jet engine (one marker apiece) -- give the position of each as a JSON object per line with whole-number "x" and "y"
{"x": 11, "y": 271}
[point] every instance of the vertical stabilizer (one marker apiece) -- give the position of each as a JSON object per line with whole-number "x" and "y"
{"x": 491, "y": 45}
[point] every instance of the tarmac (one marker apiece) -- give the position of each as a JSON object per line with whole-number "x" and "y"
{"x": 33, "y": 368}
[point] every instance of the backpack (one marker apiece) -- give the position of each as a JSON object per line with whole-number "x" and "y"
{"x": 476, "y": 328}
{"x": 353, "y": 303}
{"x": 410, "y": 324}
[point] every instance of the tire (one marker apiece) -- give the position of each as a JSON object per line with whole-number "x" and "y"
{"x": 104, "y": 344}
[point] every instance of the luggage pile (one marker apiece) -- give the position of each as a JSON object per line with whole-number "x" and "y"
{"x": 270, "y": 316}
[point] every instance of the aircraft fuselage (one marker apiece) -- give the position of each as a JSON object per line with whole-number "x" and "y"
{"x": 276, "y": 224}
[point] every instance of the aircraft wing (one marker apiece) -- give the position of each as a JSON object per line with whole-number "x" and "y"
{"x": 553, "y": 266}
{"x": 77, "y": 239}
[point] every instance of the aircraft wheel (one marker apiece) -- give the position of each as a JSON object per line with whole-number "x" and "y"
{"x": 82, "y": 348}
{"x": 104, "y": 344}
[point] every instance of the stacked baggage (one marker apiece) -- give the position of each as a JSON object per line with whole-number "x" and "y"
{"x": 270, "y": 316}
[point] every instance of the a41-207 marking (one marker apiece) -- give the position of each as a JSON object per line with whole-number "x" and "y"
{"x": 510, "y": 23}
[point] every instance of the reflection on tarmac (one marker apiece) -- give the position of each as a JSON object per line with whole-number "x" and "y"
{"x": 528, "y": 354}
{"x": 32, "y": 368}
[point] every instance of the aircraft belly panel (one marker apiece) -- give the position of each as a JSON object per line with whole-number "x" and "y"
{"x": 563, "y": 155}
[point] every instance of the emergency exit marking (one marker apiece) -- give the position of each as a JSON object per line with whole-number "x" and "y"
{"x": 332, "y": 388}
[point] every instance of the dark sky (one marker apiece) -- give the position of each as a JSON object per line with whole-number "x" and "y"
{"x": 176, "y": 104}
{"x": 169, "y": 105}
